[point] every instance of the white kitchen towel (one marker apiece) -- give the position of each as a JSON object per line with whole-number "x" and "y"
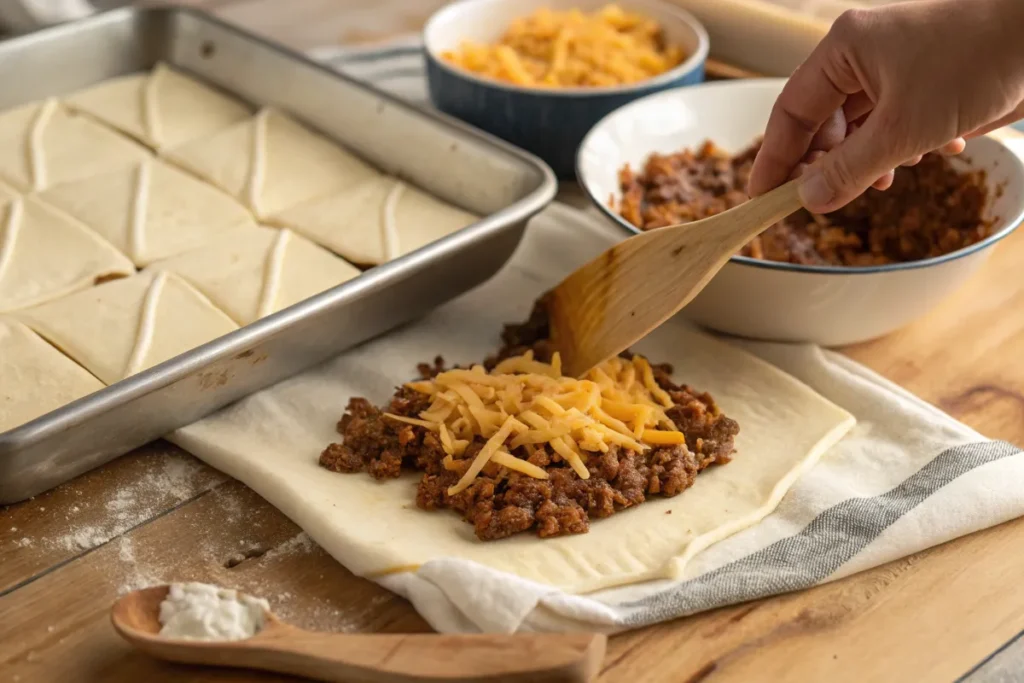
{"x": 906, "y": 477}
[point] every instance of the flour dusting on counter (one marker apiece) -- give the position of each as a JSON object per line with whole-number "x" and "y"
{"x": 200, "y": 611}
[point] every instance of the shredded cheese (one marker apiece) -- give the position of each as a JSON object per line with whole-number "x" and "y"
{"x": 573, "y": 48}
{"x": 527, "y": 413}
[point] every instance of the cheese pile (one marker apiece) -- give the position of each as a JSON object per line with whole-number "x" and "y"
{"x": 572, "y": 48}
{"x": 524, "y": 404}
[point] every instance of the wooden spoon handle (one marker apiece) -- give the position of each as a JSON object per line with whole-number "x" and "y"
{"x": 359, "y": 658}
{"x": 751, "y": 218}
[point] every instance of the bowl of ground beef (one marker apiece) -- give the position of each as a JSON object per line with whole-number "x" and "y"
{"x": 845, "y": 277}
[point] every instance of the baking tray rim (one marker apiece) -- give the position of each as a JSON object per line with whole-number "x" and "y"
{"x": 238, "y": 341}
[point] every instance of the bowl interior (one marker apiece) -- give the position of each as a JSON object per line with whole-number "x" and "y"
{"x": 485, "y": 21}
{"x": 732, "y": 115}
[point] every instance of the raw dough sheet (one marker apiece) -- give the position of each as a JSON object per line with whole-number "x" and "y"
{"x": 271, "y": 441}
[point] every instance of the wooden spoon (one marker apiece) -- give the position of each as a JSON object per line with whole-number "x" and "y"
{"x": 368, "y": 658}
{"x": 619, "y": 297}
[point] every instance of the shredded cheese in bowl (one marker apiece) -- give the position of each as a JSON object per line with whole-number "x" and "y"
{"x": 523, "y": 404}
{"x": 573, "y": 49}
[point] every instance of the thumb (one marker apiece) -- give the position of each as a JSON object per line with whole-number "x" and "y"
{"x": 845, "y": 172}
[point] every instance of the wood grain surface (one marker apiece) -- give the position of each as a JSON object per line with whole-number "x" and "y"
{"x": 159, "y": 515}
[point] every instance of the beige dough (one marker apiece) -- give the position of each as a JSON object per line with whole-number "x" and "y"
{"x": 271, "y": 442}
{"x": 45, "y": 254}
{"x": 7, "y": 193}
{"x": 43, "y": 144}
{"x": 264, "y": 271}
{"x": 376, "y": 221}
{"x": 271, "y": 162}
{"x": 149, "y": 211}
{"x": 163, "y": 108}
{"x": 37, "y": 378}
{"x": 123, "y": 327}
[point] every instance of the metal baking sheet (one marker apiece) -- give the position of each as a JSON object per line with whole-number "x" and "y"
{"x": 445, "y": 157}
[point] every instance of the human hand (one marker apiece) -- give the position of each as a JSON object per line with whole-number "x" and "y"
{"x": 888, "y": 85}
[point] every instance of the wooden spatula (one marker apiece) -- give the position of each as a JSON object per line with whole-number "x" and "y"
{"x": 619, "y": 297}
{"x": 370, "y": 658}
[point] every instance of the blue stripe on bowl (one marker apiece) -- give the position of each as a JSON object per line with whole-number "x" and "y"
{"x": 550, "y": 125}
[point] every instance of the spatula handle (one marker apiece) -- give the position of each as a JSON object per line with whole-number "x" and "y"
{"x": 753, "y": 217}
{"x": 417, "y": 658}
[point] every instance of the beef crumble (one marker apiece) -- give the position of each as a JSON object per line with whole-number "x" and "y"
{"x": 500, "y": 502}
{"x": 930, "y": 210}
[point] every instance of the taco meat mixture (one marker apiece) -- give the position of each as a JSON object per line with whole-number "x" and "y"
{"x": 930, "y": 210}
{"x": 501, "y": 502}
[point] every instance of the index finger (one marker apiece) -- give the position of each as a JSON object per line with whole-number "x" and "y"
{"x": 809, "y": 99}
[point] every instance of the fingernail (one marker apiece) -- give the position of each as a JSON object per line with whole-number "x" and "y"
{"x": 814, "y": 190}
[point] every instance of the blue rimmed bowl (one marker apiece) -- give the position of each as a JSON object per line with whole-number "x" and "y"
{"x": 827, "y": 305}
{"x": 549, "y": 122}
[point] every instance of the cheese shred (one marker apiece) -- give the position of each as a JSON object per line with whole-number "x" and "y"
{"x": 525, "y": 407}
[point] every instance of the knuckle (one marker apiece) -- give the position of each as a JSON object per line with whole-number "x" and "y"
{"x": 850, "y": 25}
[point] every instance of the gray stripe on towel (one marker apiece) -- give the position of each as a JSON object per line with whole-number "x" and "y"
{"x": 829, "y": 541}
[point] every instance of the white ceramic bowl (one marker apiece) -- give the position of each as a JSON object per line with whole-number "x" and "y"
{"x": 827, "y": 305}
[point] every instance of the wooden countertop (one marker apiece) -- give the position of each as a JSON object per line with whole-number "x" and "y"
{"x": 159, "y": 514}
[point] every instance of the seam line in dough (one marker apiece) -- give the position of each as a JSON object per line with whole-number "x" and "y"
{"x": 150, "y": 114}
{"x": 256, "y": 159}
{"x": 37, "y": 158}
{"x": 390, "y": 226}
{"x": 11, "y": 227}
{"x": 140, "y": 204}
{"x": 272, "y": 274}
{"x": 147, "y": 321}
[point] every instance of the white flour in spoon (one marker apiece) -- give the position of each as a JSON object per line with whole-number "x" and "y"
{"x": 199, "y": 611}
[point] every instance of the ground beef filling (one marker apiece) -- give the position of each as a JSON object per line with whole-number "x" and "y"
{"x": 500, "y": 503}
{"x": 931, "y": 209}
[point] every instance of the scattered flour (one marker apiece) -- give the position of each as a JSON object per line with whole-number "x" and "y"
{"x": 200, "y": 611}
{"x": 231, "y": 506}
{"x": 167, "y": 479}
{"x": 299, "y": 543}
{"x": 84, "y": 538}
{"x": 135, "y": 576}
{"x": 23, "y": 543}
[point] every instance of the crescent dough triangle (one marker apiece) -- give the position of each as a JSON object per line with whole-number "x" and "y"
{"x": 45, "y": 254}
{"x": 376, "y": 221}
{"x": 163, "y": 108}
{"x": 264, "y": 272}
{"x": 149, "y": 211}
{"x": 123, "y": 327}
{"x": 270, "y": 162}
{"x": 37, "y": 378}
{"x": 43, "y": 144}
